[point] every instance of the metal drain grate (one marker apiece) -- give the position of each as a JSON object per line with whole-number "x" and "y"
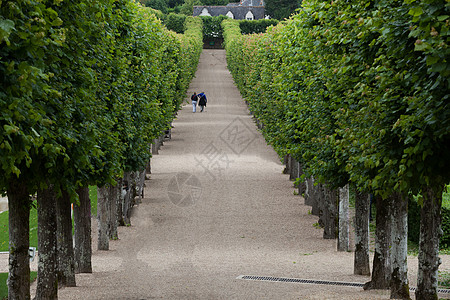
{"x": 313, "y": 281}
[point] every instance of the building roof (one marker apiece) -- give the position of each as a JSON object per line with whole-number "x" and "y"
{"x": 239, "y": 12}
{"x": 251, "y": 3}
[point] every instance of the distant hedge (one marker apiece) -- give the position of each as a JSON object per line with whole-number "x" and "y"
{"x": 256, "y": 26}
{"x": 212, "y": 27}
{"x": 174, "y": 22}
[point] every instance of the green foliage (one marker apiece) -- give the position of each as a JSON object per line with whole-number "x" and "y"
{"x": 445, "y": 239}
{"x": 160, "y": 5}
{"x": 215, "y": 2}
{"x": 444, "y": 279}
{"x": 4, "y": 230}
{"x": 117, "y": 77}
{"x": 190, "y": 49}
{"x": 414, "y": 223}
{"x": 256, "y": 26}
{"x": 93, "y": 197}
{"x": 357, "y": 91}
{"x": 212, "y": 27}
{"x": 175, "y": 22}
{"x": 175, "y": 3}
{"x": 446, "y": 197}
{"x": 281, "y": 9}
{"x": 188, "y": 7}
{"x": 350, "y": 95}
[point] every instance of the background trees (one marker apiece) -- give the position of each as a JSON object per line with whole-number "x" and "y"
{"x": 281, "y": 9}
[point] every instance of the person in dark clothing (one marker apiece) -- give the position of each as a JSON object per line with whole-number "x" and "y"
{"x": 203, "y": 100}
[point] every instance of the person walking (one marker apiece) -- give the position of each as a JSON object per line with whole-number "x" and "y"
{"x": 203, "y": 100}
{"x": 194, "y": 99}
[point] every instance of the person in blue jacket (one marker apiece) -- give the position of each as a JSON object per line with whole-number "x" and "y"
{"x": 202, "y": 101}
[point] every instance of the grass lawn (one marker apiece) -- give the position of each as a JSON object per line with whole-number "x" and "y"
{"x": 4, "y": 236}
{"x": 3, "y": 286}
{"x": 4, "y": 228}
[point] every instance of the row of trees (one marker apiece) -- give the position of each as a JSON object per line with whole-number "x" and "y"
{"x": 357, "y": 92}
{"x": 86, "y": 88}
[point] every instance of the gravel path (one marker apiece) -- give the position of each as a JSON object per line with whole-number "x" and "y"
{"x": 218, "y": 206}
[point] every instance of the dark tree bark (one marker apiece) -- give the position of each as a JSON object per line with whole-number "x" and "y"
{"x": 320, "y": 196}
{"x": 330, "y": 213}
{"x": 129, "y": 197}
{"x": 66, "y": 262}
{"x": 123, "y": 183}
{"x": 140, "y": 185}
{"x": 82, "y": 232}
{"x": 47, "y": 280}
{"x": 430, "y": 233}
{"x": 287, "y": 163}
{"x": 309, "y": 191}
{"x": 362, "y": 264}
{"x": 102, "y": 218}
{"x": 302, "y": 183}
{"x": 399, "y": 249}
{"x": 107, "y": 199}
{"x": 114, "y": 196}
{"x": 148, "y": 167}
{"x": 343, "y": 240}
{"x": 316, "y": 194}
{"x": 381, "y": 274}
{"x": 19, "y": 240}
{"x": 155, "y": 146}
{"x": 127, "y": 207}
{"x": 293, "y": 174}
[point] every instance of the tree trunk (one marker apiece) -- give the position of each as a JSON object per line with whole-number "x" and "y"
{"x": 123, "y": 184}
{"x": 130, "y": 201}
{"x": 320, "y": 195}
{"x": 430, "y": 233}
{"x": 114, "y": 197}
{"x": 302, "y": 183}
{"x": 102, "y": 218}
{"x": 399, "y": 249}
{"x": 343, "y": 240}
{"x": 362, "y": 264}
{"x": 155, "y": 146}
{"x": 82, "y": 232}
{"x": 148, "y": 167}
{"x": 329, "y": 209}
{"x": 381, "y": 274}
{"x": 140, "y": 185}
{"x": 47, "y": 280}
{"x": 66, "y": 262}
{"x": 315, "y": 197}
{"x": 287, "y": 163}
{"x": 127, "y": 202}
{"x": 309, "y": 191}
{"x": 19, "y": 240}
{"x": 293, "y": 174}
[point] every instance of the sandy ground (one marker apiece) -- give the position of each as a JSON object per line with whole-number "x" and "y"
{"x": 217, "y": 206}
